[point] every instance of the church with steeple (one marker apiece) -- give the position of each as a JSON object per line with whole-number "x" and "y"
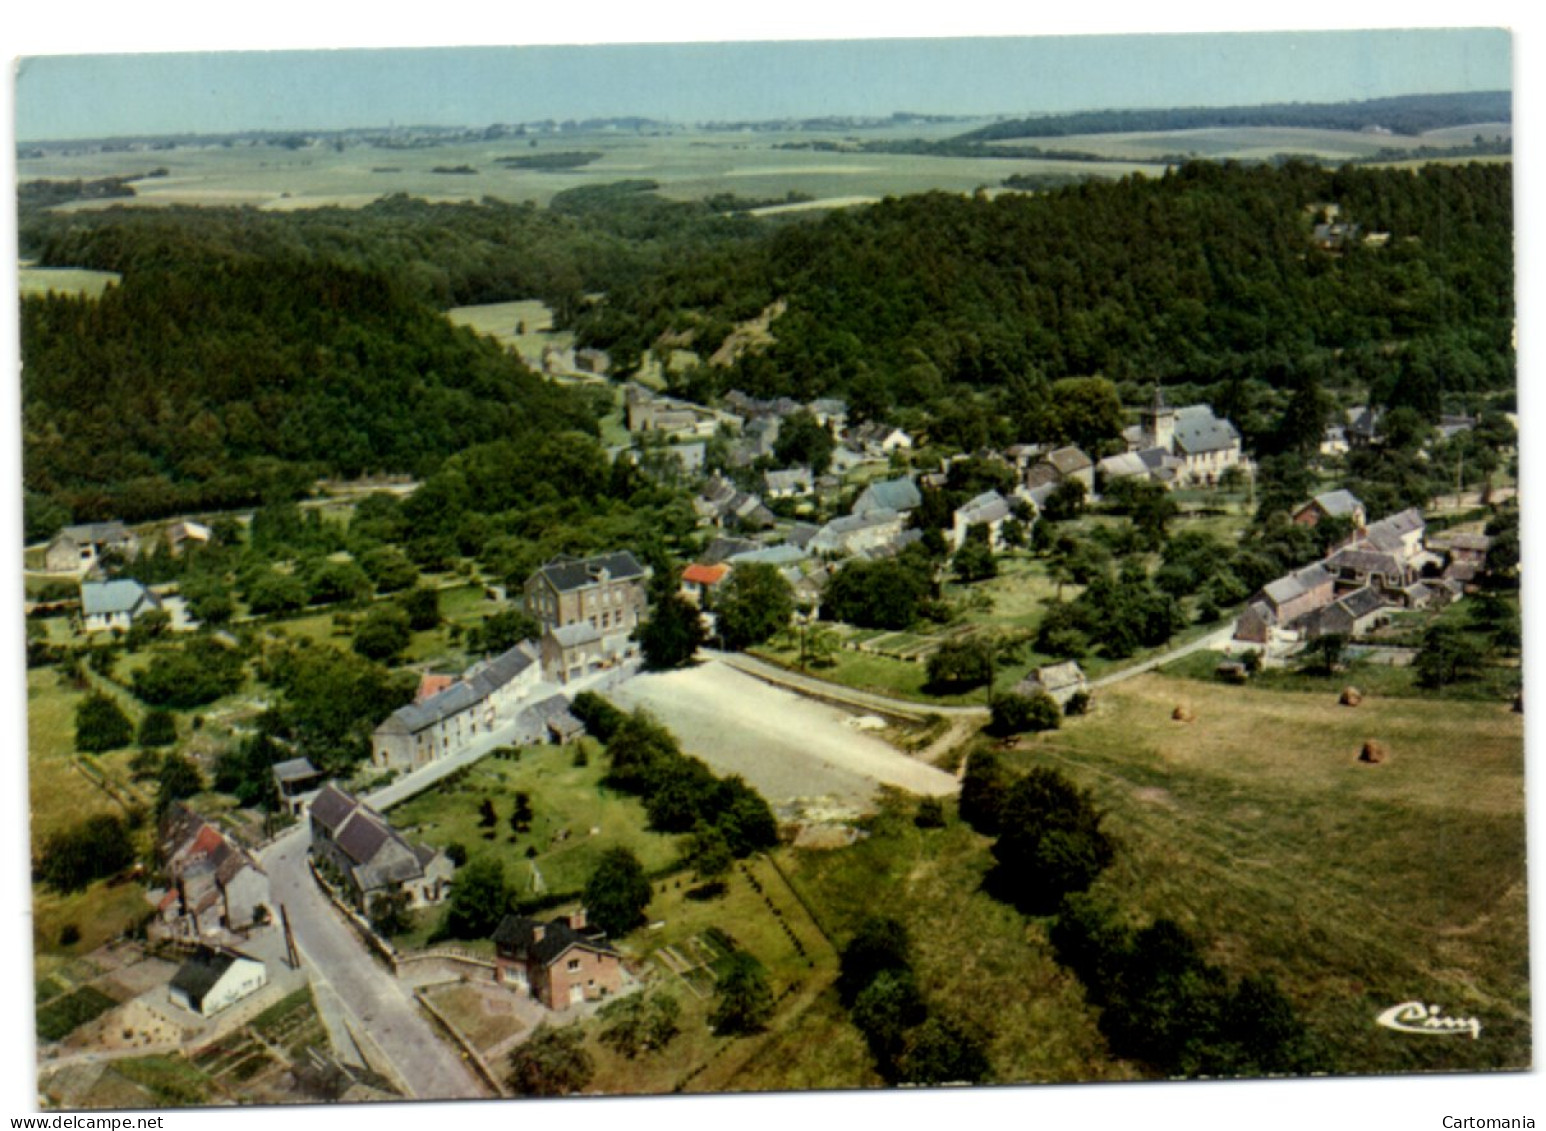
{"x": 1201, "y": 445}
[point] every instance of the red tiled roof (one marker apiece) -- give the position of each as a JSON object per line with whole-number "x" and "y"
{"x": 705, "y": 574}
{"x": 431, "y": 684}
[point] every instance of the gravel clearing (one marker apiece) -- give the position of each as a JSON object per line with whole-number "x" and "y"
{"x": 786, "y": 746}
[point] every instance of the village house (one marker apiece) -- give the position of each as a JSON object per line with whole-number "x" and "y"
{"x": 990, "y": 510}
{"x": 577, "y": 650}
{"x": 720, "y": 503}
{"x": 364, "y": 856}
{"x": 548, "y": 720}
{"x": 1359, "y": 565}
{"x": 1061, "y": 681}
{"x": 878, "y": 440}
{"x": 296, "y": 782}
{"x": 895, "y": 495}
{"x": 562, "y": 962}
{"x": 794, "y": 483}
{"x": 114, "y": 605}
{"x": 830, "y": 413}
{"x": 448, "y": 720}
{"x": 212, "y": 979}
{"x": 609, "y": 592}
{"x": 648, "y": 411}
{"x": 699, "y": 582}
{"x": 858, "y": 532}
{"x": 1282, "y": 602}
{"x": 1354, "y": 614}
{"x": 1069, "y": 463}
{"x": 213, "y": 886}
{"x": 78, "y": 549}
{"x": 1340, "y": 503}
{"x": 183, "y": 533}
{"x": 1400, "y": 534}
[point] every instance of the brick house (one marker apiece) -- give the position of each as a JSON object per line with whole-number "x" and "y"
{"x": 212, "y": 884}
{"x": 561, "y": 962}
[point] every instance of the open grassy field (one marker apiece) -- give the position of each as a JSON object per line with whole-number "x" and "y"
{"x": 688, "y": 166}
{"x": 1358, "y": 886}
{"x": 563, "y": 797}
{"x": 501, "y": 320}
{"x": 1248, "y": 143}
{"x": 65, "y": 281}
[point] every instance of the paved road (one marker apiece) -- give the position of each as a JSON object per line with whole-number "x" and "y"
{"x": 370, "y": 998}
{"x": 812, "y": 685}
{"x": 1213, "y": 640}
{"x": 353, "y": 988}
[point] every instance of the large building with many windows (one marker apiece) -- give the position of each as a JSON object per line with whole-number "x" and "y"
{"x": 608, "y": 592}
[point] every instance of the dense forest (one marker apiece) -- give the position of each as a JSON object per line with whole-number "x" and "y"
{"x": 1208, "y": 277}
{"x": 1407, "y": 114}
{"x": 245, "y": 352}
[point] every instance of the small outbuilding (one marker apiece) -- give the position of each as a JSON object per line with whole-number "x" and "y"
{"x": 214, "y": 978}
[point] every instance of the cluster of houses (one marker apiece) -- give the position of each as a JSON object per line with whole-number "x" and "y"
{"x": 214, "y": 888}
{"x": 1380, "y": 566}
{"x": 588, "y": 609}
{"x": 84, "y": 551}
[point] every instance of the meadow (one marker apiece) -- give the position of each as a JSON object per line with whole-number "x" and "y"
{"x": 1357, "y": 886}
{"x": 575, "y": 818}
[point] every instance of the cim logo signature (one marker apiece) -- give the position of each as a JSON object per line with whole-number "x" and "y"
{"x": 1415, "y": 1017}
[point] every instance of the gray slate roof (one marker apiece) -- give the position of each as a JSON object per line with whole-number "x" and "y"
{"x": 479, "y": 683}
{"x": 124, "y": 595}
{"x": 888, "y": 495}
{"x": 1198, "y": 430}
{"x": 96, "y": 532}
{"x": 1296, "y": 584}
{"x": 296, "y": 769}
{"x": 1387, "y": 533}
{"x": 565, "y": 573}
{"x": 514, "y": 936}
{"x": 1340, "y": 503}
{"x": 989, "y": 506}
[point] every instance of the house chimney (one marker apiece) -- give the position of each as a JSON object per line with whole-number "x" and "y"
{"x": 577, "y": 920}
{"x": 537, "y": 931}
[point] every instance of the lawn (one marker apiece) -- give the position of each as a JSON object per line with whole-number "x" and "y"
{"x": 1357, "y": 886}
{"x": 564, "y": 797}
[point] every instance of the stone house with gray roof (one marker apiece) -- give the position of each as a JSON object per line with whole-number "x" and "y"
{"x": 213, "y": 885}
{"x": 1204, "y": 444}
{"x": 1282, "y": 602}
{"x": 562, "y": 962}
{"x": 990, "y": 510}
{"x": 443, "y": 724}
{"x": 607, "y": 591}
{"x": 897, "y": 495}
{"x": 1340, "y": 503}
{"x": 114, "y": 605}
{"x": 361, "y": 853}
{"x": 79, "y": 549}
{"x": 1351, "y": 615}
{"x": 1061, "y": 681}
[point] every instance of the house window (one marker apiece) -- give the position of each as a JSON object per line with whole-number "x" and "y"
{"x": 574, "y": 964}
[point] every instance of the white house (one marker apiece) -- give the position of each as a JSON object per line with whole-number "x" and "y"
{"x": 989, "y": 509}
{"x": 106, "y": 605}
{"x": 215, "y": 979}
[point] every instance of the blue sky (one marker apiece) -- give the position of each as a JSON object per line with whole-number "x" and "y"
{"x": 108, "y": 95}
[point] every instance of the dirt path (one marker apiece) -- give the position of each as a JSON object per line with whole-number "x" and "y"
{"x": 785, "y": 745}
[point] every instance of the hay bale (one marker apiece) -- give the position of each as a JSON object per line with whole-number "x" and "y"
{"x": 1350, "y": 697}
{"x": 1374, "y": 752}
{"x": 1183, "y": 714}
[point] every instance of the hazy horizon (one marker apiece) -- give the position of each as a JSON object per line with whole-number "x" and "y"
{"x": 81, "y": 97}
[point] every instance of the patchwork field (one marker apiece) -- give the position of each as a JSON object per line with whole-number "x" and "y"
{"x": 1258, "y": 142}
{"x": 1358, "y": 886}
